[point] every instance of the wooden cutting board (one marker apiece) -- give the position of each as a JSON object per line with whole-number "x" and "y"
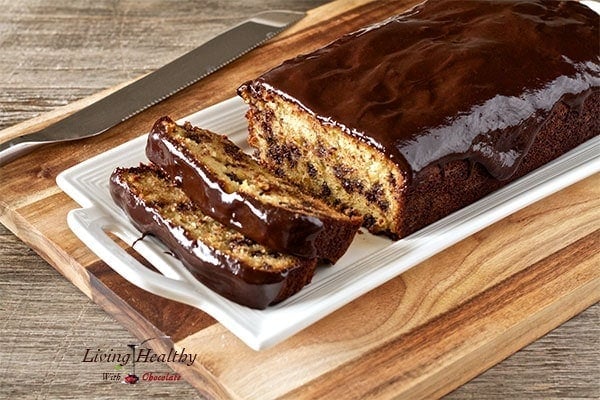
{"x": 419, "y": 335}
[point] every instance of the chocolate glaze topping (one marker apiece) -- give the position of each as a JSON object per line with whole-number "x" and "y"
{"x": 450, "y": 79}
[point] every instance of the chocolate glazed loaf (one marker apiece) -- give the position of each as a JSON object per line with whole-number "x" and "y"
{"x": 410, "y": 119}
{"x": 234, "y": 189}
{"x": 221, "y": 258}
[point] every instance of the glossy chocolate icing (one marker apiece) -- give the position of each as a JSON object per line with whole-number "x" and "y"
{"x": 256, "y": 288}
{"x": 278, "y": 227}
{"x": 449, "y": 79}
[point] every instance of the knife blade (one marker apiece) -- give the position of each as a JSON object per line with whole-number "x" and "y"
{"x": 156, "y": 86}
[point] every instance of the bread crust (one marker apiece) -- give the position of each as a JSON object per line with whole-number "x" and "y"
{"x": 442, "y": 189}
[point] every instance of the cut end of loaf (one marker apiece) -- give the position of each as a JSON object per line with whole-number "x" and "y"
{"x": 321, "y": 158}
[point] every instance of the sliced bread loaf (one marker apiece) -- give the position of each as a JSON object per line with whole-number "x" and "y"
{"x": 417, "y": 116}
{"x": 223, "y": 259}
{"x": 230, "y": 186}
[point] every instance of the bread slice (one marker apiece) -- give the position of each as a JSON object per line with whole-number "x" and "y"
{"x": 230, "y": 186}
{"x": 223, "y": 259}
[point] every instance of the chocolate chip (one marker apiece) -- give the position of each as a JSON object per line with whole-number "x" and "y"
{"x": 352, "y": 185}
{"x": 325, "y": 191}
{"x": 234, "y": 177}
{"x": 312, "y": 171}
{"x": 342, "y": 172}
{"x": 156, "y": 204}
{"x": 383, "y": 205}
{"x": 368, "y": 221}
{"x": 256, "y": 253}
{"x": 375, "y": 193}
{"x": 293, "y": 155}
{"x": 196, "y": 135}
{"x": 232, "y": 150}
{"x": 185, "y": 206}
{"x": 282, "y": 153}
{"x": 392, "y": 180}
{"x": 323, "y": 151}
{"x": 275, "y": 255}
{"x": 276, "y": 154}
{"x": 241, "y": 241}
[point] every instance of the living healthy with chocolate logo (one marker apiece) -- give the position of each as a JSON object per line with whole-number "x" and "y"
{"x": 124, "y": 362}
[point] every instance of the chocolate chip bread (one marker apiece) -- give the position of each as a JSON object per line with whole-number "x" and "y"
{"x": 223, "y": 259}
{"x": 410, "y": 119}
{"x": 234, "y": 189}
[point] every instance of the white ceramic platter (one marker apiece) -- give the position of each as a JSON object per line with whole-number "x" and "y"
{"x": 370, "y": 261}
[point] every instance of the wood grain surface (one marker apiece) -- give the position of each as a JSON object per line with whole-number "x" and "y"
{"x": 59, "y": 52}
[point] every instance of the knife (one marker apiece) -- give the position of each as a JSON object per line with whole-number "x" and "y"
{"x": 156, "y": 86}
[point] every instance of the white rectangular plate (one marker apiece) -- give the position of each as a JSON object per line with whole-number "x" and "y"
{"x": 370, "y": 261}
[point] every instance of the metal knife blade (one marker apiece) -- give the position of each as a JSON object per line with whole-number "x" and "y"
{"x": 156, "y": 86}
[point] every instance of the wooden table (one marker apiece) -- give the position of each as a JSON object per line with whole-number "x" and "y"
{"x": 54, "y": 53}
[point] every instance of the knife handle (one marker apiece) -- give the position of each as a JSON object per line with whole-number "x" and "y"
{"x": 15, "y": 149}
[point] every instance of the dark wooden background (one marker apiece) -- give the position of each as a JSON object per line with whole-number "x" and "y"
{"x": 55, "y": 52}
